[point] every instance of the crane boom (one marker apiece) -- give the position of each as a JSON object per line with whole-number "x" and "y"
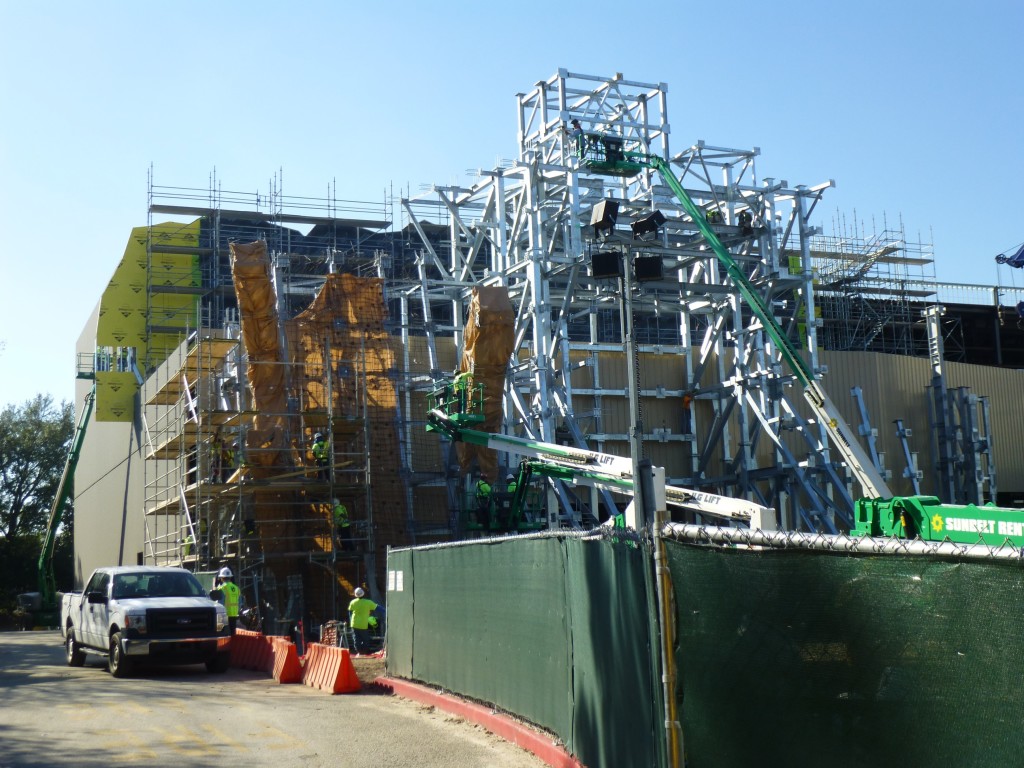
{"x": 872, "y": 483}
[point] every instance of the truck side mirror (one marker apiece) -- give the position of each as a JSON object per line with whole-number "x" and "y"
{"x": 97, "y": 598}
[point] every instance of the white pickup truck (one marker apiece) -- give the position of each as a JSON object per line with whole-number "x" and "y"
{"x": 134, "y": 613}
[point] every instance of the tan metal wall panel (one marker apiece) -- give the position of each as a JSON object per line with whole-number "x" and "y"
{"x": 897, "y": 387}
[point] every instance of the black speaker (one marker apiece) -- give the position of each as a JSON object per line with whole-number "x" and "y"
{"x": 604, "y": 214}
{"x": 606, "y": 264}
{"x": 647, "y": 225}
{"x": 647, "y": 268}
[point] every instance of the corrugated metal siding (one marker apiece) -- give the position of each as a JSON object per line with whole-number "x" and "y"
{"x": 897, "y": 387}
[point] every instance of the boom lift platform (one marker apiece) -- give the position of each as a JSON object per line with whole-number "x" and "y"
{"x": 879, "y": 513}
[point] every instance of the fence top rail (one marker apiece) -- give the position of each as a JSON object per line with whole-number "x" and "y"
{"x": 591, "y": 535}
{"x": 707, "y": 534}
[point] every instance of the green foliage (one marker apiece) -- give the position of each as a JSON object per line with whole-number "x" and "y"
{"x": 34, "y": 443}
{"x": 19, "y": 557}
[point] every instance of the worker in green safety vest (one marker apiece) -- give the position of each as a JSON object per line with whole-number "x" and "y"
{"x": 342, "y": 526}
{"x": 229, "y": 594}
{"x": 321, "y": 455}
{"x": 483, "y": 501}
{"x": 461, "y": 386}
{"x": 359, "y": 611}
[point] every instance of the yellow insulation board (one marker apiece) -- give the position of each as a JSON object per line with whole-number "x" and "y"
{"x": 115, "y": 396}
{"x": 124, "y": 306}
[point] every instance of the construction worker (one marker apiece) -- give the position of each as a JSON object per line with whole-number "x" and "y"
{"x": 359, "y": 611}
{"x": 216, "y": 454}
{"x": 461, "y": 386}
{"x": 578, "y": 137}
{"x": 321, "y": 455}
{"x": 483, "y": 501}
{"x": 510, "y": 482}
{"x": 227, "y": 460}
{"x": 687, "y": 412}
{"x": 342, "y": 527}
{"x": 229, "y": 595}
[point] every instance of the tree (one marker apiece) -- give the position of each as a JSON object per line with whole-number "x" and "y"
{"x": 34, "y": 442}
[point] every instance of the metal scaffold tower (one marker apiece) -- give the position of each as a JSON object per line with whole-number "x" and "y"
{"x": 218, "y": 490}
{"x": 718, "y": 411}
{"x": 871, "y": 287}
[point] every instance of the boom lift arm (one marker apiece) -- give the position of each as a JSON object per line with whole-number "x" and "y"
{"x": 879, "y": 514}
{"x": 47, "y": 579}
{"x": 600, "y": 470}
{"x": 872, "y": 483}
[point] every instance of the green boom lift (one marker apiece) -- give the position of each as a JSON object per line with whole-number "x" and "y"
{"x": 43, "y": 606}
{"x": 879, "y": 513}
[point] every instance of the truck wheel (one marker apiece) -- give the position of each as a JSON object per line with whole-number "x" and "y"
{"x": 219, "y": 664}
{"x": 119, "y": 664}
{"x": 76, "y": 656}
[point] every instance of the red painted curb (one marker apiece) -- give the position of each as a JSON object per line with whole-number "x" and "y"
{"x": 496, "y": 723}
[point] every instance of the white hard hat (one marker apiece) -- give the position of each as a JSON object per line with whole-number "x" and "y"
{"x": 225, "y": 573}
{"x": 359, "y": 592}
{"x": 337, "y": 502}
{"x": 509, "y": 477}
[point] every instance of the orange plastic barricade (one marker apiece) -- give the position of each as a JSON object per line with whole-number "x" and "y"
{"x": 330, "y": 669}
{"x": 252, "y": 650}
{"x": 287, "y": 667}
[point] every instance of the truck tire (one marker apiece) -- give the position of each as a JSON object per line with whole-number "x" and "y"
{"x": 219, "y": 664}
{"x": 76, "y": 656}
{"x": 119, "y": 664}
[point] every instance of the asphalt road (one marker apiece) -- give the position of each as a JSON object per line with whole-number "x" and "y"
{"x": 52, "y": 714}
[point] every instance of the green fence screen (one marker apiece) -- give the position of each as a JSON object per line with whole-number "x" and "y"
{"x": 555, "y": 629}
{"x": 796, "y": 658}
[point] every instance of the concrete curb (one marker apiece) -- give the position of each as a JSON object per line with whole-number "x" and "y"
{"x": 498, "y": 724}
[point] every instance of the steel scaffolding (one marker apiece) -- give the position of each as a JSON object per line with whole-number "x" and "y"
{"x": 529, "y": 225}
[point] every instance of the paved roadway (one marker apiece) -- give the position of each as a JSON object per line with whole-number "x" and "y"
{"x": 52, "y": 714}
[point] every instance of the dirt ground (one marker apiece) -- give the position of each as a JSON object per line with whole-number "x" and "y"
{"x": 368, "y": 668}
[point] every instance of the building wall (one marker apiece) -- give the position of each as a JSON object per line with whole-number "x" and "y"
{"x": 109, "y": 524}
{"x": 895, "y": 387}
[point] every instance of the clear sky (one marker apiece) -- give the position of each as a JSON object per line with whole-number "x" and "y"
{"x": 913, "y": 107}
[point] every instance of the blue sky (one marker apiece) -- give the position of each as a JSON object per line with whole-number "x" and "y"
{"x": 914, "y": 108}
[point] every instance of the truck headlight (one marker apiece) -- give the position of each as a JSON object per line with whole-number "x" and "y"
{"x": 222, "y": 621}
{"x": 138, "y": 623}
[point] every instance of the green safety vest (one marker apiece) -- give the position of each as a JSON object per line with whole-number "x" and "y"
{"x": 341, "y": 516}
{"x": 320, "y": 450}
{"x": 483, "y": 490}
{"x": 359, "y": 611}
{"x": 231, "y": 594}
{"x": 512, "y": 486}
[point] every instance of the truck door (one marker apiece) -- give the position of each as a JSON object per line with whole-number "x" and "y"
{"x": 94, "y": 621}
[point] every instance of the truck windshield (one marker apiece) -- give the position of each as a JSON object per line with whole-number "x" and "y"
{"x": 131, "y": 585}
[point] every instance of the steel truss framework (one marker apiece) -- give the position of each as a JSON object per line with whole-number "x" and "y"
{"x": 526, "y": 225}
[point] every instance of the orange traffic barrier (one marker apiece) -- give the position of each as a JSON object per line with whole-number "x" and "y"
{"x": 252, "y": 650}
{"x": 287, "y": 667}
{"x": 330, "y": 669}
